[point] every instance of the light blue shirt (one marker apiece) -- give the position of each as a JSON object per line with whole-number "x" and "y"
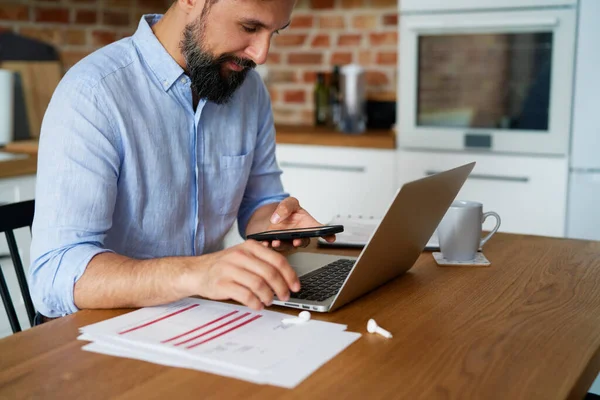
{"x": 126, "y": 165}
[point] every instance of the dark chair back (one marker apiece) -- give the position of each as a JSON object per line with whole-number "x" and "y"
{"x": 14, "y": 216}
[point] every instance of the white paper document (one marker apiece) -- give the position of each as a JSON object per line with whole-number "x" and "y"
{"x": 358, "y": 230}
{"x": 220, "y": 338}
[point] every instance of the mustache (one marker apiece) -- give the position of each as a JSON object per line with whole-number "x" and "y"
{"x": 242, "y": 62}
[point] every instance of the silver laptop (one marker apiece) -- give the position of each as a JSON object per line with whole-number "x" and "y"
{"x": 328, "y": 281}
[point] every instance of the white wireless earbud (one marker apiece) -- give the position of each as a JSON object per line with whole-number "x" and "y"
{"x": 372, "y": 327}
{"x": 303, "y": 317}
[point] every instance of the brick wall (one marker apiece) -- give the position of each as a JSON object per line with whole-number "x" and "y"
{"x": 76, "y": 27}
{"x": 323, "y": 33}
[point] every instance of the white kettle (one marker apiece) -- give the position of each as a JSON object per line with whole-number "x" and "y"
{"x": 6, "y": 106}
{"x": 353, "y": 89}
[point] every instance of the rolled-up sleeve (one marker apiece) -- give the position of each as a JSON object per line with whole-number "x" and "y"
{"x": 264, "y": 185}
{"x": 76, "y": 188}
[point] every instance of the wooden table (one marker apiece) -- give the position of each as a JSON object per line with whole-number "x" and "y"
{"x": 527, "y": 327}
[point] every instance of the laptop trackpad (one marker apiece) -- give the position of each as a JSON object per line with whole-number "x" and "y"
{"x": 303, "y": 263}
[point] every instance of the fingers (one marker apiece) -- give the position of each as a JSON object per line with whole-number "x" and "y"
{"x": 243, "y": 295}
{"x": 253, "y": 282}
{"x": 279, "y": 245}
{"x": 282, "y": 246}
{"x": 329, "y": 239}
{"x": 262, "y": 278}
{"x": 301, "y": 242}
{"x": 248, "y": 273}
{"x": 287, "y": 207}
{"x": 278, "y": 262}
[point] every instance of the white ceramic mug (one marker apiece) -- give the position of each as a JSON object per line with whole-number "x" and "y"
{"x": 459, "y": 232}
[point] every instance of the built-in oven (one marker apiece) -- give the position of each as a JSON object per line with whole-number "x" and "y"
{"x": 493, "y": 75}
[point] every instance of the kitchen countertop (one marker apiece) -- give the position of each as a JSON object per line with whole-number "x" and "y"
{"x": 304, "y": 135}
{"x": 320, "y": 136}
{"x": 23, "y": 146}
{"x": 27, "y": 165}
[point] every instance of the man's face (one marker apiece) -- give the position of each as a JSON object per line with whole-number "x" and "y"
{"x": 227, "y": 38}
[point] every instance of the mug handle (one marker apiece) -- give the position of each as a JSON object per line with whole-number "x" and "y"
{"x": 485, "y": 215}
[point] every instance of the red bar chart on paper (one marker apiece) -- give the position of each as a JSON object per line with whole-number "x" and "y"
{"x": 210, "y": 333}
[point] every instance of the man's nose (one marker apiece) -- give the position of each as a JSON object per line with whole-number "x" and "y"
{"x": 258, "y": 50}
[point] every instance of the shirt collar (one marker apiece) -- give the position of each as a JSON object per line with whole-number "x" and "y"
{"x": 164, "y": 67}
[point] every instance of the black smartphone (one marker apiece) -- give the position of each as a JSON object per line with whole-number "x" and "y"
{"x": 298, "y": 233}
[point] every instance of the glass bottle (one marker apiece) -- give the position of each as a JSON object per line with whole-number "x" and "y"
{"x": 335, "y": 103}
{"x": 321, "y": 100}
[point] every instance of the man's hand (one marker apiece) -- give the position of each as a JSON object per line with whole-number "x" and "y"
{"x": 289, "y": 215}
{"x": 248, "y": 273}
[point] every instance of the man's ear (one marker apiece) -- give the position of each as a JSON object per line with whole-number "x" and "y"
{"x": 187, "y": 6}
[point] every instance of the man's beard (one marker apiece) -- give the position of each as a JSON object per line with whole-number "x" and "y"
{"x": 206, "y": 70}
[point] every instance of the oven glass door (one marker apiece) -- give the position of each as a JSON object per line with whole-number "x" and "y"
{"x": 485, "y": 80}
{"x": 496, "y": 80}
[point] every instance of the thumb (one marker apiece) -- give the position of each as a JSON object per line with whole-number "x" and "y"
{"x": 285, "y": 209}
{"x": 275, "y": 218}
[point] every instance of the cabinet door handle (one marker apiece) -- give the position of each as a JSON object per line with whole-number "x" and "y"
{"x": 487, "y": 177}
{"x": 344, "y": 168}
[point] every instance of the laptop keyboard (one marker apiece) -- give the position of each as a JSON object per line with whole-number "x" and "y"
{"x": 324, "y": 282}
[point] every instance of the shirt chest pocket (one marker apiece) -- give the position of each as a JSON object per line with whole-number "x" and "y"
{"x": 227, "y": 183}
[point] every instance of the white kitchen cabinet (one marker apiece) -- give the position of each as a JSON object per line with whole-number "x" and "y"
{"x": 338, "y": 180}
{"x": 9, "y": 192}
{"x": 529, "y": 193}
{"x": 12, "y": 190}
{"x": 19, "y": 188}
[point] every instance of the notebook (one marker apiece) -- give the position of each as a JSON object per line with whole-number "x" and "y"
{"x": 358, "y": 229}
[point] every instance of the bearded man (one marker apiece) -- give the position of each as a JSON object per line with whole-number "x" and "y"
{"x": 150, "y": 150}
